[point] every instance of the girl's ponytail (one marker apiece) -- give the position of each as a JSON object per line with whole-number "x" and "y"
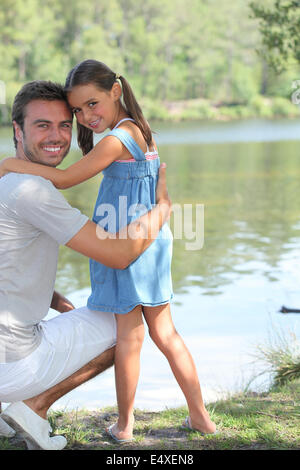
{"x": 134, "y": 110}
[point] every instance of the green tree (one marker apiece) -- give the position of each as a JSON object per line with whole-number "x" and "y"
{"x": 169, "y": 50}
{"x": 279, "y": 24}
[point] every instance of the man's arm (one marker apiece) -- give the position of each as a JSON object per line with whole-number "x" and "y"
{"x": 125, "y": 246}
{"x": 61, "y": 303}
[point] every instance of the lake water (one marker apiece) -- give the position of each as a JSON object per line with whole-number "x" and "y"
{"x": 227, "y": 294}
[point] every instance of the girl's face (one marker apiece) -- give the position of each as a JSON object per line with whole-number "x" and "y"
{"x": 94, "y": 108}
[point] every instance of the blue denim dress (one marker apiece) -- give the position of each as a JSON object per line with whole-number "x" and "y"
{"x": 126, "y": 192}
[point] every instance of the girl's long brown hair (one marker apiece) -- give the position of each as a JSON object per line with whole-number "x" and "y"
{"x": 94, "y": 72}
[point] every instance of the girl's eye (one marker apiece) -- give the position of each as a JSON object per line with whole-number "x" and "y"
{"x": 76, "y": 110}
{"x": 92, "y": 104}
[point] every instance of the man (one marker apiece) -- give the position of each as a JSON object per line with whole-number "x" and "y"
{"x": 40, "y": 361}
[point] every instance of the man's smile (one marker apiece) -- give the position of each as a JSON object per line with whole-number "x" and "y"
{"x": 53, "y": 149}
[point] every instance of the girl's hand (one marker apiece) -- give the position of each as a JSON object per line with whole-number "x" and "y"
{"x": 3, "y": 166}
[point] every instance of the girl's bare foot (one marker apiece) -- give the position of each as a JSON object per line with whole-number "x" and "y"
{"x": 122, "y": 432}
{"x": 202, "y": 423}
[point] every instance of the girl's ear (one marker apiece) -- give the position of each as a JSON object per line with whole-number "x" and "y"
{"x": 116, "y": 91}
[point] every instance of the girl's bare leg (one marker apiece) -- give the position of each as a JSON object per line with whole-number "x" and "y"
{"x": 130, "y": 336}
{"x": 166, "y": 338}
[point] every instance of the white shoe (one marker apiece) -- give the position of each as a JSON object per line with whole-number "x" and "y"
{"x": 5, "y": 430}
{"x": 33, "y": 428}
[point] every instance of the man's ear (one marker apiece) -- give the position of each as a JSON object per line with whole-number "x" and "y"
{"x": 18, "y": 131}
{"x": 116, "y": 91}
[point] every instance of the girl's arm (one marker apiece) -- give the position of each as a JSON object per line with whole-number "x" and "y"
{"x": 100, "y": 157}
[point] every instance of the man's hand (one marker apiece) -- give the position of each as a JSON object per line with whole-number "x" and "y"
{"x": 61, "y": 303}
{"x": 162, "y": 196}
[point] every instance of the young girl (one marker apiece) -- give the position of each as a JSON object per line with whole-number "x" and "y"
{"x": 128, "y": 157}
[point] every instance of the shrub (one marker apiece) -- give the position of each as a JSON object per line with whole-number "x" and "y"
{"x": 154, "y": 110}
{"x": 283, "y": 107}
{"x": 282, "y": 354}
{"x": 261, "y": 106}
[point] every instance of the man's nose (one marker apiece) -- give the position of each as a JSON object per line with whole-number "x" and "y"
{"x": 55, "y": 134}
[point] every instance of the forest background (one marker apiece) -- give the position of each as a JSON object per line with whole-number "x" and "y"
{"x": 191, "y": 59}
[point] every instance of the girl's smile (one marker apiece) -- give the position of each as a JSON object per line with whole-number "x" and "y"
{"x": 94, "y": 124}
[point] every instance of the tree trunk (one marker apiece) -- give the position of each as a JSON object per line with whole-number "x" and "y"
{"x": 264, "y": 78}
{"x": 22, "y": 65}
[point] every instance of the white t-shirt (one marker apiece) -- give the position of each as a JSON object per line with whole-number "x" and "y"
{"x": 34, "y": 219}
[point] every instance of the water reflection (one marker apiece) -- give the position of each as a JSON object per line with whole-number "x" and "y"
{"x": 227, "y": 295}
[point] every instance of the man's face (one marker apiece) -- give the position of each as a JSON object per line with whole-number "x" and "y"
{"x": 47, "y": 132}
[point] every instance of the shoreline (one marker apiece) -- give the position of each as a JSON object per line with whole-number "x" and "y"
{"x": 201, "y": 109}
{"x": 245, "y": 421}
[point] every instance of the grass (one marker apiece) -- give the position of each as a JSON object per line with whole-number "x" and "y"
{"x": 282, "y": 354}
{"x": 247, "y": 421}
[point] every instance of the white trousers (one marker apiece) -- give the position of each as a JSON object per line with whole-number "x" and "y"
{"x": 69, "y": 341}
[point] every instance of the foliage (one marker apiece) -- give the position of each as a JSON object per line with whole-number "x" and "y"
{"x": 169, "y": 51}
{"x": 261, "y": 106}
{"x": 282, "y": 107}
{"x": 280, "y": 29}
{"x": 282, "y": 356}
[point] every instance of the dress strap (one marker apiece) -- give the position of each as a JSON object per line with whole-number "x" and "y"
{"x": 129, "y": 143}
{"x": 122, "y": 120}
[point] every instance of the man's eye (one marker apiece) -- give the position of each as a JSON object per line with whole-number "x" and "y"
{"x": 43, "y": 125}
